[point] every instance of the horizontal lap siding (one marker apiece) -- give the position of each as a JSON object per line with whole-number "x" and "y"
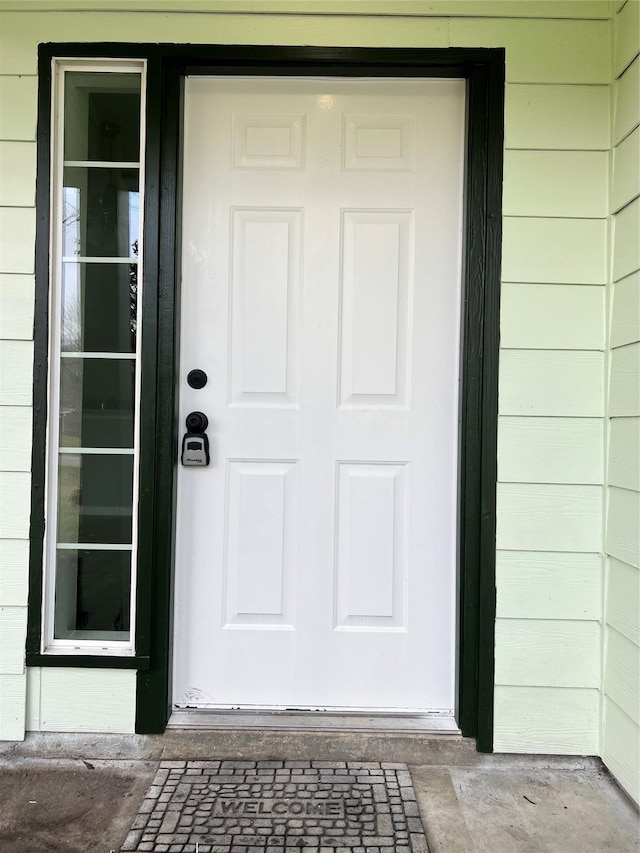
{"x": 548, "y": 585}
{"x": 595, "y": 9}
{"x": 621, "y": 730}
{"x": 550, "y": 450}
{"x": 548, "y": 720}
{"x": 14, "y": 581}
{"x": 17, "y": 230}
{"x": 557, "y": 184}
{"x": 551, "y": 384}
{"x": 625, "y": 311}
{"x": 103, "y": 700}
{"x": 551, "y": 403}
{"x": 562, "y": 317}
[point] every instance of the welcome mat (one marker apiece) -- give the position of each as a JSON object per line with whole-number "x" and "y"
{"x": 278, "y": 807}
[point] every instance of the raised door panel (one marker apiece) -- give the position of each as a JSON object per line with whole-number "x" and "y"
{"x": 371, "y": 556}
{"x": 376, "y": 284}
{"x": 261, "y": 544}
{"x": 268, "y": 141}
{"x": 380, "y": 143}
{"x": 265, "y": 282}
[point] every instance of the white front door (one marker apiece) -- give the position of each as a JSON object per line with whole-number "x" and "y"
{"x": 321, "y": 269}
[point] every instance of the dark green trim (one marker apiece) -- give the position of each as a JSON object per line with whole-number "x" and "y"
{"x": 40, "y": 357}
{"x": 484, "y": 71}
{"x": 494, "y": 112}
{"x": 148, "y": 390}
{"x": 478, "y": 450}
{"x": 153, "y": 695}
{"x": 93, "y": 661}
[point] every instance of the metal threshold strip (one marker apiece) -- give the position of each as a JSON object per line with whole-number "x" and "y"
{"x": 326, "y": 721}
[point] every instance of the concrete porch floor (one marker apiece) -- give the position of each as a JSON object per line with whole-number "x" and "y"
{"x": 78, "y": 793}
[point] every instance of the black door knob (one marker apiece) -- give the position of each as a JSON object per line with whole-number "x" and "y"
{"x": 196, "y": 422}
{"x": 197, "y": 378}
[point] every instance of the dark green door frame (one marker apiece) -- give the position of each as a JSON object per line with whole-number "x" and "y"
{"x": 167, "y": 67}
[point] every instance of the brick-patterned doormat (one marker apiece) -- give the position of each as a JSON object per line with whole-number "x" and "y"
{"x": 278, "y": 807}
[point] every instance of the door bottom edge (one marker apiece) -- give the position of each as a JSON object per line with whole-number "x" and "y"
{"x": 333, "y": 721}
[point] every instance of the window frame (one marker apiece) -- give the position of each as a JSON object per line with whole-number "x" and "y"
{"x": 42, "y": 646}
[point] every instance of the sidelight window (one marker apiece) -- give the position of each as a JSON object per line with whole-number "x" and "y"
{"x": 94, "y": 357}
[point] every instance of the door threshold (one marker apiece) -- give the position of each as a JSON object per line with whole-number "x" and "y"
{"x": 427, "y": 723}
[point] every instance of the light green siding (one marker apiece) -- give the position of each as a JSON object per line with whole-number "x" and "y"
{"x": 548, "y": 585}
{"x": 552, "y": 374}
{"x": 544, "y": 517}
{"x": 541, "y": 51}
{"x": 626, "y": 97}
{"x": 626, "y": 171}
{"x": 550, "y": 450}
{"x": 17, "y": 116}
{"x": 624, "y": 453}
{"x": 553, "y": 250}
{"x": 556, "y": 383}
{"x": 557, "y": 118}
{"x": 596, "y": 9}
{"x": 103, "y": 700}
{"x": 17, "y": 174}
{"x": 559, "y": 317}
{"x": 549, "y": 720}
{"x": 621, "y": 732}
{"x": 562, "y": 184}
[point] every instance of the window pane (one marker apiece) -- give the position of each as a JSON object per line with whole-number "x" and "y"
{"x": 100, "y": 213}
{"x": 95, "y": 380}
{"x": 102, "y": 116}
{"x": 97, "y": 400}
{"x": 95, "y": 495}
{"x": 99, "y": 303}
{"x": 93, "y": 595}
